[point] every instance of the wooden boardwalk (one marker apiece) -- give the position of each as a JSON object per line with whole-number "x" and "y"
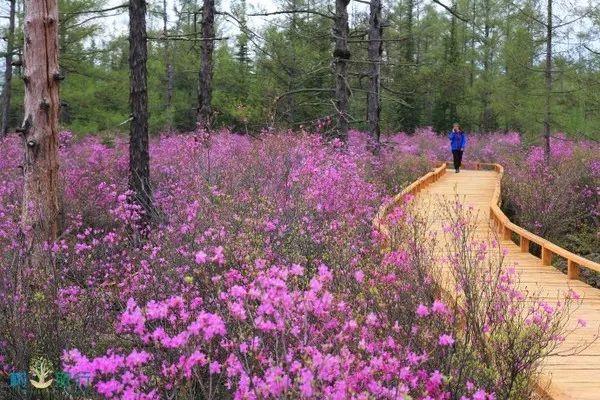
{"x": 574, "y": 377}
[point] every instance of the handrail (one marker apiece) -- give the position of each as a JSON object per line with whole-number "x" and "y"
{"x": 549, "y": 250}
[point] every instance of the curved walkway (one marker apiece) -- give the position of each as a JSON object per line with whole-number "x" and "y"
{"x": 575, "y": 377}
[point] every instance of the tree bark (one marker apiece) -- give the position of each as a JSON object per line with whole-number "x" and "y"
{"x": 548, "y": 78}
{"x": 454, "y": 62}
{"x": 375, "y": 54}
{"x": 410, "y": 113}
{"x": 139, "y": 157}
{"x": 204, "y": 117}
{"x": 341, "y": 55}
{"x": 41, "y": 214}
{"x": 487, "y": 112}
{"x": 8, "y": 71}
{"x": 168, "y": 68}
{"x": 473, "y": 35}
{"x": 410, "y": 37}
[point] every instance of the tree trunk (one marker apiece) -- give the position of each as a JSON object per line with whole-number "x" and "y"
{"x": 410, "y": 112}
{"x": 454, "y": 62}
{"x": 341, "y": 55}
{"x": 8, "y": 71}
{"x": 473, "y": 35}
{"x": 375, "y": 53}
{"x": 139, "y": 158}
{"x": 204, "y": 117}
{"x": 41, "y": 214}
{"x": 168, "y": 68}
{"x": 487, "y": 113}
{"x": 409, "y": 53}
{"x": 548, "y": 76}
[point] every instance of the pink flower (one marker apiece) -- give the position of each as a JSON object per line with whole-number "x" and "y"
{"x": 446, "y": 340}
{"x": 359, "y": 276}
{"x": 214, "y": 367}
{"x": 219, "y": 257}
{"x": 439, "y": 307}
{"x": 422, "y": 310}
{"x": 201, "y": 257}
{"x": 306, "y": 383}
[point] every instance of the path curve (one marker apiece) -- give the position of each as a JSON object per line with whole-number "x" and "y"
{"x": 575, "y": 377}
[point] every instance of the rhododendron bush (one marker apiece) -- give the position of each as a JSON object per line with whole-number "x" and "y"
{"x": 263, "y": 278}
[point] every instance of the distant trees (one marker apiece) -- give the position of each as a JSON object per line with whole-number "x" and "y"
{"x": 483, "y": 62}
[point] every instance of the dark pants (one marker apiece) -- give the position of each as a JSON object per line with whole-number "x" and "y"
{"x": 457, "y": 158}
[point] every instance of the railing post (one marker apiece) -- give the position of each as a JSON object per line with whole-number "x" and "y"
{"x": 506, "y": 233}
{"x": 546, "y": 256}
{"x": 524, "y": 243}
{"x": 572, "y": 270}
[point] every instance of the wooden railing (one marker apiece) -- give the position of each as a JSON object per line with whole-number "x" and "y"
{"x": 413, "y": 188}
{"x": 549, "y": 250}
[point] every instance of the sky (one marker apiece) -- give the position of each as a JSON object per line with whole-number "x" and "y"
{"x": 119, "y": 24}
{"x": 253, "y": 6}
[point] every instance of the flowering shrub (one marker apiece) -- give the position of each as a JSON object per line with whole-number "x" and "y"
{"x": 262, "y": 278}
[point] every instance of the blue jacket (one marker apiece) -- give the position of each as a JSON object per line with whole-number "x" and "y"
{"x": 458, "y": 140}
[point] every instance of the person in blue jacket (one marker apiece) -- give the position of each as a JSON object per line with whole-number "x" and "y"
{"x": 458, "y": 142}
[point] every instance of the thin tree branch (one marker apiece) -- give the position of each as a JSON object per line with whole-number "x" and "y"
{"x": 268, "y": 14}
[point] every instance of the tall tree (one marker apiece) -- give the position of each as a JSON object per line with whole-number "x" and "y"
{"x": 139, "y": 157}
{"x": 8, "y": 68}
{"x": 205, "y": 88}
{"x": 375, "y": 56}
{"x": 341, "y": 55}
{"x": 408, "y": 115}
{"x": 548, "y": 80}
{"x": 169, "y": 72}
{"x": 446, "y": 109}
{"x": 41, "y": 214}
{"x": 487, "y": 116}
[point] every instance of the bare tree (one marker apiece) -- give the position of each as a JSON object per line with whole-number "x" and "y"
{"x": 375, "y": 56}
{"x": 8, "y": 71}
{"x": 139, "y": 157}
{"x": 41, "y": 214}
{"x": 204, "y": 117}
{"x": 341, "y": 55}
